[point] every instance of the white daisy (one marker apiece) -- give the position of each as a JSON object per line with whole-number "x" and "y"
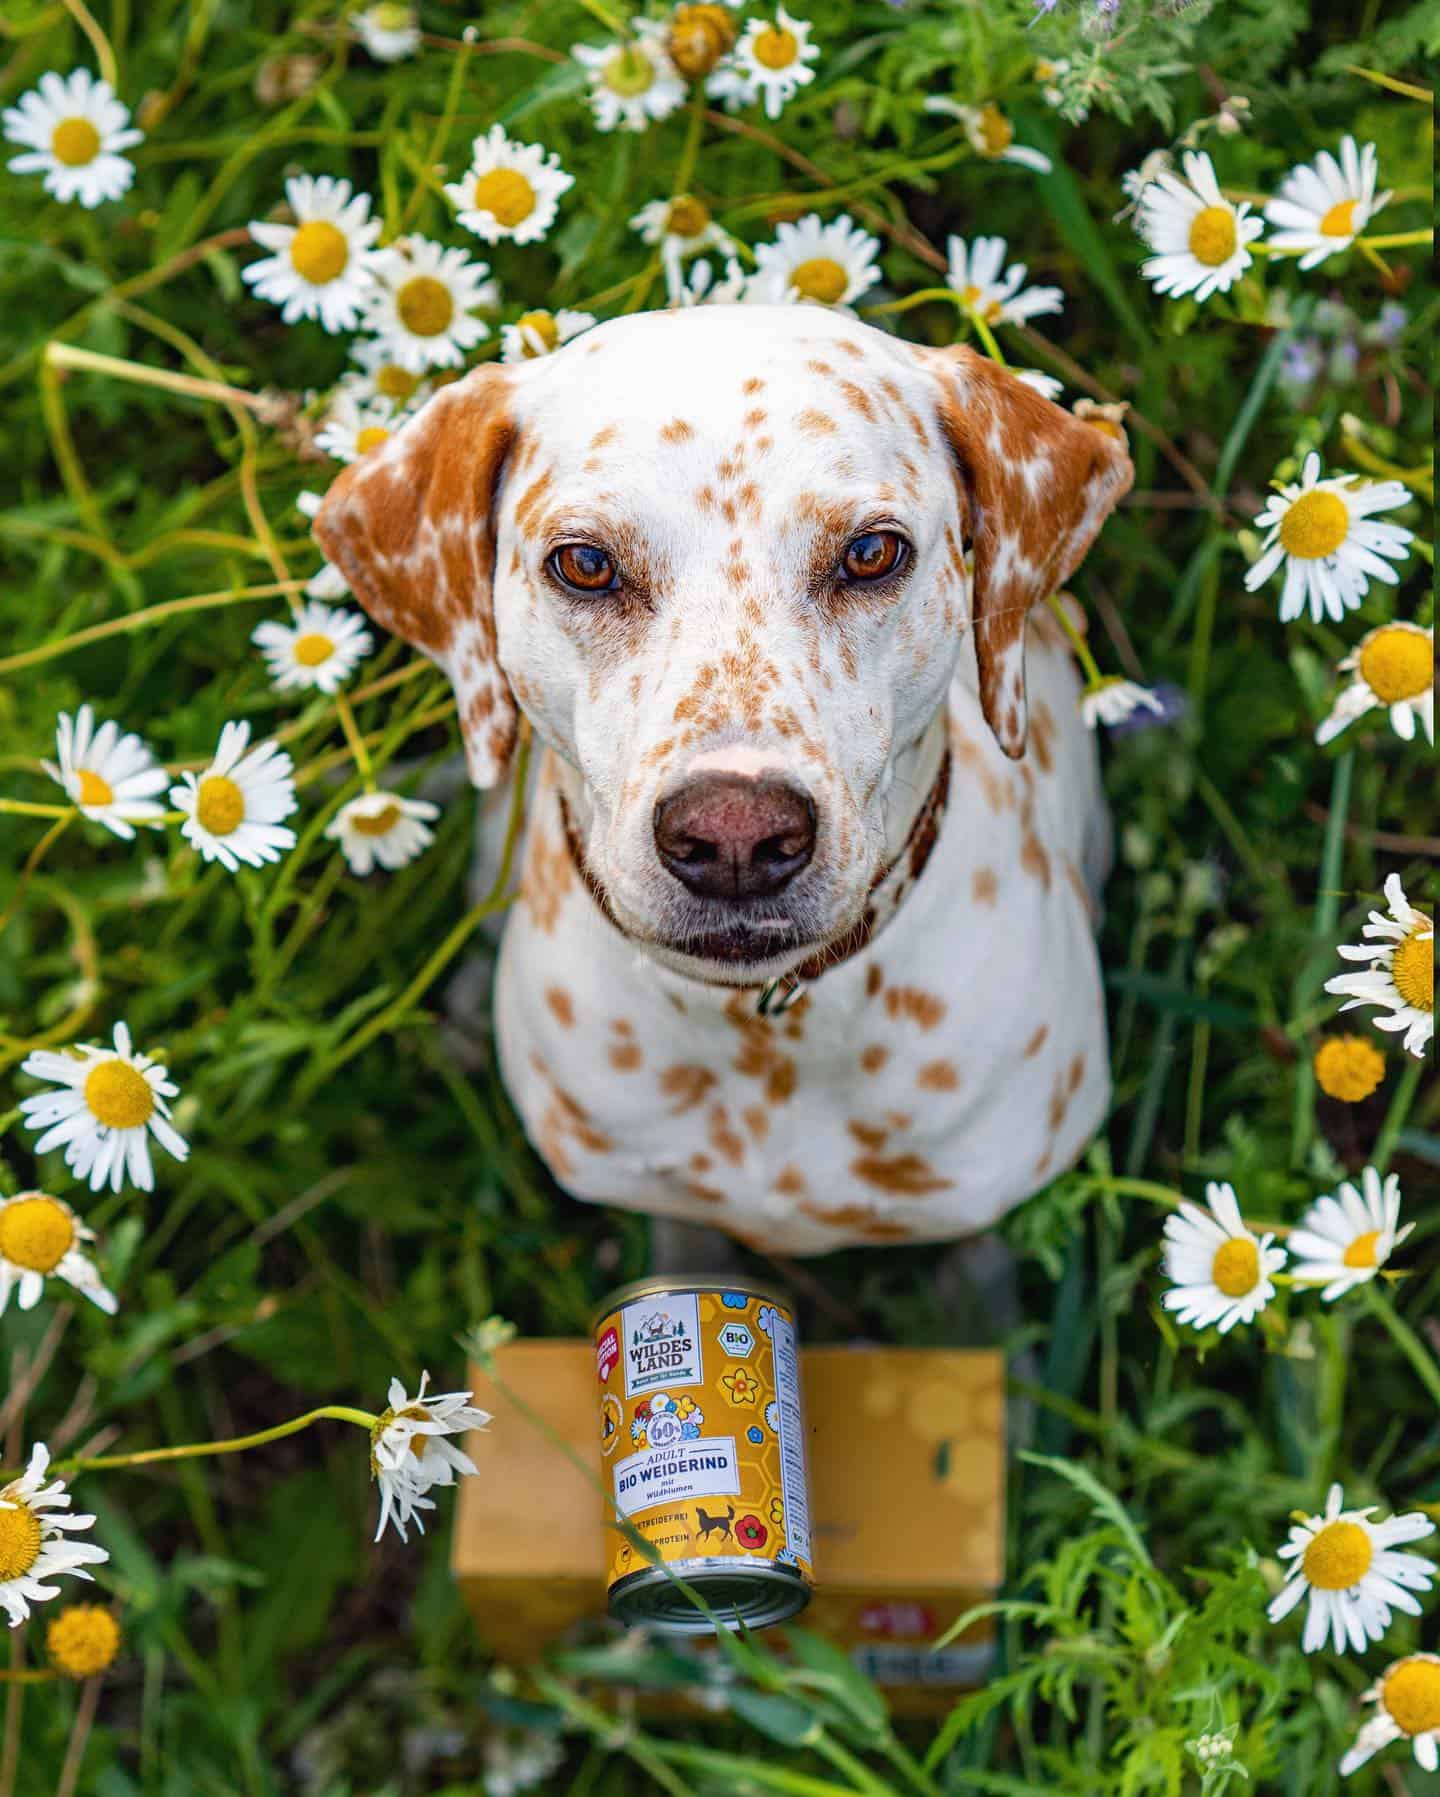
{"x": 41, "y": 1238}
{"x": 408, "y": 1454}
{"x": 1401, "y": 976}
{"x": 322, "y": 266}
{"x": 510, "y": 189}
{"x": 770, "y": 63}
{"x": 990, "y": 133}
{"x": 33, "y": 1547}
{"x": 1200, "y": 237}
{"x": 233, "y": 809}
{"x": 1407, "y": 1707}
{"x": 1134, "y": 181}
{"x": 1342, "y": 1241}
{"x": 111, "y": 1102}
{"x": 328, "y": 582}
{"x": 1113, "y": 700}
{"x": 991, "y": 291}
{"x": 109, "y": 777}
{"x": 1354, "y": 1579}
{"x": 632, "y": 82}
{"x": 1325, "y": 208}
{"x": 682, "y": 227}
{"x": 1325, "y": 534}
{"x": 422, "y": 307}
{"x": 354, "y": 426}
{"x": 1219, "y": 1272}
{"x": 73, "y": 130}
{"x": 1393, "y": 666}
{"x": 831, "y": 265}
{"x": 380, "y": 376}
{"x": 319, "y": 647}
{"x": 382, "y": 829}
{"x": 1044, "y": 384}
{"x": 389, "y": 32}
{"x": 541, "y": 333}
{"x": 702, "y": 287}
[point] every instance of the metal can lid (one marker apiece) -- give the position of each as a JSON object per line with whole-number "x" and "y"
{"x": 737, "y": 1591}
{"x": 657, "y": 1284}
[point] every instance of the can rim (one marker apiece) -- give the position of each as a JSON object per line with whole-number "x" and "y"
{"x": 682, "y": 1283}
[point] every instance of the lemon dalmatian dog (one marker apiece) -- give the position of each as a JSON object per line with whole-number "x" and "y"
{"x": 805, "y": 946}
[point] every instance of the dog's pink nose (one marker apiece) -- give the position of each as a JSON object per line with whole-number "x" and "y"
{"x": 730, "y": 836}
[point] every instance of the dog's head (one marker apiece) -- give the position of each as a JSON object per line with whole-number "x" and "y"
{"x": 718, "y": 558}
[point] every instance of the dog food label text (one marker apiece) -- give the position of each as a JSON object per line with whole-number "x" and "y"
{"x": 661, "y": 1338}
{"x": 690, "y": 1469}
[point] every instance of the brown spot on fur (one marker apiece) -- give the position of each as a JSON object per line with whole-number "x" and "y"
{"x": 868, "y": 1135}
{"x": 1036, "y": 1042}
{"x": 757, "y": 1120}
{"x": 753, "y": 385}
{"x": 705, "y": 1194}
{"x": 874, "y": 980}
{"x": 984, "y": 887}
{"x": 1034, "y": 859}
{"x": 561, "y": 1005}
{"x": 676, "y": 431}
{"x": 937, "y": 1076}
{"x": 874, "y": 1057}
{"x": 858, "y": 1217}
{"x": 907, "y": 1175}
{"x": 686, "y": 1086}
{"x": 1075, "y": 1075}
{"x": 625, "y": 1057}
{"x": 816, "y": 424}
{"x": 916, "y": 1005}
{"x": 724, "y": 1139}
{"x": 790, "y": 1180}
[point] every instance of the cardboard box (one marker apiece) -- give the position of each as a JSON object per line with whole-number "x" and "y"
{"x": 907, "y": 1474}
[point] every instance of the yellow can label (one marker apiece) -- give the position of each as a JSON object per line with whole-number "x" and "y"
{"x": 701, "y": 1429}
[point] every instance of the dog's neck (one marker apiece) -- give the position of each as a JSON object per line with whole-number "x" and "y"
{"x": 919, "y": 787}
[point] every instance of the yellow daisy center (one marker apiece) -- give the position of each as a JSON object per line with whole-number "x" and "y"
{"x": 629, "y": 72}
{"x": 83, "y": 1640}
{"x": 376, "y": 823}
{"x": 1338, "y": 1557}
{"x": 1412, "y": 967}
{"x": 1410, "y": 1691}
{"x": 543, "y": 326}
{"x": 19, "y": 1540}
{"x": 993, "y": 131}
{"x": 1348, "y": 1068}
{"x": 1212, "y": 235}
{"x": 972, "y": 296}
{"x": 395, "y": 382}
{"x": 426, "y": 306}
{"x": 319, "y": 251}
{"x": 75, "y": 142}
{"x": 1361, "y": 1252}
{"x": 821, "y": 278}
{"x": 1339, "y": 221}
{"x": 775, "y": 48}
{"x": 687, "y": 217}
{"x": 370, "y": 438}
{"x": 1236, "y": 1267}
{"x": 1397, "y": 664}
{"x": 313, "y": 648}
{"x": 118, "y": 1095}
{"x": 219, "y": 805}
{"x": 1316, "y": 524}
{"x": 93, "y": 789}
{"x": 505, "y": 194}
{"x": 35, "y": 1233}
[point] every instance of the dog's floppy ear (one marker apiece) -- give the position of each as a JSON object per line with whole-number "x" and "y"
{"x": 1036, "y": 484}
{"x": 411, "y": 527}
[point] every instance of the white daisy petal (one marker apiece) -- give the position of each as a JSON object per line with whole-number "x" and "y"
{"x": 407, "y": 1456}
{"x": 828, "y": 265}
{"x": 72, "y": 132}
{"x": 511, "y": 190}
{"x": 382, "y": 829}
{"x": 422, "y": 307}
{"x": 1401, "y": 976}
{"x": 322, "y": 266}
{"x": 1342, "y": 1561}
{"x": 234, "y": 807}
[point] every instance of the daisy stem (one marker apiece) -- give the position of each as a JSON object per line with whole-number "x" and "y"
{"x": 611, "y": 21}
{"x": 442, "y": 129}
{"x": 355, "y": 740}
{"x": 1077, "y": 641}
{"x": 1397, "y": 1113}
{"x": 194, "y": 1450}
{"x": 987, "y": 337}
{"x": 1404, "y": 1338}
{"x": 923, "y": 297}
{"x": 24, "y": 808}
{"x": 65, "y": 355}
{"x": 79, "y": 1738}
{"x": 1408, "y": 88}
{"x": 1396, "y": 240}
{"x": 99, "y": 43}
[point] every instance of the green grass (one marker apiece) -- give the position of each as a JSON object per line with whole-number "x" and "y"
{"x": 353, "y": 1200}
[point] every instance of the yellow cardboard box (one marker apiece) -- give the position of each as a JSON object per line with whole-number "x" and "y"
{"x": 907, "y": 1474}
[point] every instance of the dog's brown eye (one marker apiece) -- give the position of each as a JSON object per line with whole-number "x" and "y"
{"x": 584, "y": 567}
{"x": 874, "y": 554}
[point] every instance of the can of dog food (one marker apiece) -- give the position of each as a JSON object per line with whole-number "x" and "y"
{"x": 702, "y": 1441}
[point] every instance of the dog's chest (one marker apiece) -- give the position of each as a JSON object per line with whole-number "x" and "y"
{"x": 916, "y": 1091}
